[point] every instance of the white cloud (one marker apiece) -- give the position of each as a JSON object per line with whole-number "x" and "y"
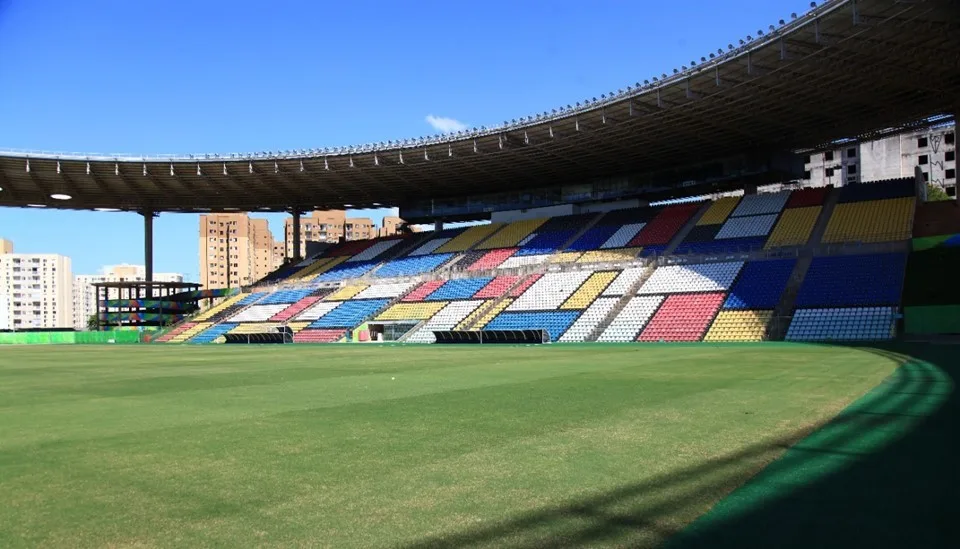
{"x": 445, "y": 125}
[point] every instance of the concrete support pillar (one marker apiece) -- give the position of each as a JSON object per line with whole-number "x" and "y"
{"x": 437, "y": 225}
{"x": 296, "y": 236}
{"x": 148, "y": 247}
{"x": 956, "y": 126}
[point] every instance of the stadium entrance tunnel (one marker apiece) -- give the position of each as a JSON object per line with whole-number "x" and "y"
{"x": 480, "y": 337}
{"x": 881, "y": 474}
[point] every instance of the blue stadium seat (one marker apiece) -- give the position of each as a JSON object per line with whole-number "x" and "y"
{"x": 593, "y": 238}
{"x": 343, "y": 271}
{"x": 463, "y": 288}
{"x": 412, "y": 265}
{"x": 350, "y": 313}
{"x": 853, "y": 280}
{"x": 546, "y": 242}
{"x": 760, "y": 284}
{"x": 285, "y": 296}
{"x": 213, "y": 332}
{"x": 554, "y": 322}
{"x": 250, "y": 299}
{"x": 726, "y": 245}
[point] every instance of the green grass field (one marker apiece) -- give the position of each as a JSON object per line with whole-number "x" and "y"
{"x": 367, "y": 446}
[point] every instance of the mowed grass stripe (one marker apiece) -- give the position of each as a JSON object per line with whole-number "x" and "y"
{"x": 352, "y": 458}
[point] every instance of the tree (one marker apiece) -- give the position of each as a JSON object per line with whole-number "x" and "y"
{"x": 92, "y": 324}
{"x": 935, "y": 193}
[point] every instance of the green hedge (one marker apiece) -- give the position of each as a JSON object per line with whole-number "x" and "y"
{"x": 68, "y": 338}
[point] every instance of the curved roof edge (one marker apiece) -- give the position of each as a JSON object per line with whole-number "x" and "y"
{"x": 591, "y": 105}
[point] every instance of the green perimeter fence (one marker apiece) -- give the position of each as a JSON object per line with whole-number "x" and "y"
{"x": 68, "y": 338}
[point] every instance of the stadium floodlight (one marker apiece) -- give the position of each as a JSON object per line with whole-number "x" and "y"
{"x": 676, "y": 71}
{"x": 60, "y": 196}
{"x": 703, "y": 59}
{"x": 663, "y": 75}
{"x": 711, "y": 55}
{"x": 793, "y": 15}
{"x": 683, "y": 67}
{"x": 655, "y": 79}
{"x": 37, "y": 205}
{"x": 759, "y": 33}
{"x": 749, "y": 38}
{"x": 782, "y": 22}
{"x": 813, "y": 4}
{"x": 106, "y": 209}
{"x": 645, "y": 83}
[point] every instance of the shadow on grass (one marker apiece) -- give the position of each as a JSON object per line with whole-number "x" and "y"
{"x": 883, "y": 473}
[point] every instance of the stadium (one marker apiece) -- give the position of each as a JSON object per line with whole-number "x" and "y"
{"x": 634, "y": 321}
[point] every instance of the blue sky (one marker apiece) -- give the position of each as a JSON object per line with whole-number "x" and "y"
{"x": 171, "y": 76}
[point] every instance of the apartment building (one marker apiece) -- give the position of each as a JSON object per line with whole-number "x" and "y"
{"x": 331, "y": 225}
{"x": 235, "y": 250}
{"x": 85, "y": 295}
{"x": 934, "y": 150}
{"x": 35, "y": 290}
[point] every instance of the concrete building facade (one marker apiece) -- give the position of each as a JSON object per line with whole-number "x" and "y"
{"x": 934, "y": 150}
{"x": 235, "y": 250}
{"x": 85, "y": 295}
{"x": 36, "y": 290}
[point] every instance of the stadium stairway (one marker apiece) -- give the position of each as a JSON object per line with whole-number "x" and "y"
{"x": 783, "y": 312}
{"x": 628, "y": 294}
{"x": 829, "y": 204}
{"x": 576, "y": 236}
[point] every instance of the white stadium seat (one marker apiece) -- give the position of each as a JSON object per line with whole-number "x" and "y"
{"x": 446, "y": 319}
{"x": 624, "y": 280}
{"x": 623, "y": 235}
{"x": 634, "y": 316}
{"x": 590, "y": 319}
{"x": 702, "y": 277}
{"x": 550, "y": 291}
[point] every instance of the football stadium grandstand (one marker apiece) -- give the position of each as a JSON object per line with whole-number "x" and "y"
{"x": 738, "y": 356}
{"x": 628, "y": 240}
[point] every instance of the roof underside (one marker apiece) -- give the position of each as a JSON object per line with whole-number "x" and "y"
{"x": 846, "y": 70}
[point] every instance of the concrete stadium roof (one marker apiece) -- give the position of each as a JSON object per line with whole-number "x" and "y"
{"x": 848, "y": 69}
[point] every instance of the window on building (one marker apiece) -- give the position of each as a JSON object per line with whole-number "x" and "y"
{"x": 852, "y": 169}
{"x": 951, "y": 173}
{"x": 922, "y": 142}
{"x": 952, "y": 191}
{"x": 923, "y": 160}
{"x": 806, "y": 159}
{"x": 829, "y": 172}
{"x": 926, "y": 177}
{"x": 851, "y": 153}
{"x": 948, "y": 138}
{"x": 950, "y": 156}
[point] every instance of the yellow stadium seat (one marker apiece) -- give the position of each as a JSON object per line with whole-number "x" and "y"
{"x": 615, "y": 254}
{"x": 412, "y": 311}
{"x": 593, "y": 287}
{"x": 468, "y": 238}
{"x": 322, "y": 266}
{"x": 489, "y": 315}
{"x": 565, "y": 257}
{"x": 719, "y": 211}
{"x": 218, "y": 307}
{"x": 297, "y": 326}
{"x": 739, "y": 326}
{"x": 346, "y": 292}
{"x": 307, "y": 272}
{"x": 794, "y": 227}
{"x": 511, "y": 235}
{"x": 871, "y": 221}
